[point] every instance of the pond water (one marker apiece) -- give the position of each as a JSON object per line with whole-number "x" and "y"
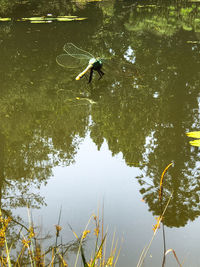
{"x": 72, "y": 148}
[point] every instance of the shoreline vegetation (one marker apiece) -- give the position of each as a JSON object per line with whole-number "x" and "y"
{"x": 32, "y": 254}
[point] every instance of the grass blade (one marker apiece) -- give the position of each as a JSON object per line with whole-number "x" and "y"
{"x": 93, "y": 263}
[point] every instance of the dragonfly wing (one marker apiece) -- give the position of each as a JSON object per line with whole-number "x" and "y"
{"x": 76, "y": 52}
{"x": 67, "y": 61}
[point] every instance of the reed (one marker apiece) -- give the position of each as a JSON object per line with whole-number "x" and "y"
{"x": 98, "y": 255}
{"x": 32, "y": 254}
{"x": 159, "y": 220}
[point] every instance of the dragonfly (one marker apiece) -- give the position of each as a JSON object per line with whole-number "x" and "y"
{"x": 75, "y": 56}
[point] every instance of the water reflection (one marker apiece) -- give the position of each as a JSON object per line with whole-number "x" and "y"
{"x": 143, "y": 106}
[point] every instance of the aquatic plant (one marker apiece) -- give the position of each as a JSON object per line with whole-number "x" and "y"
{"x": 195, "y": 134}
{"x": 159, "y": 220}
{"x": 32, "y": 254}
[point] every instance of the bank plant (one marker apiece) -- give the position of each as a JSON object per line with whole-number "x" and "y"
{"x": 31, "y": 253}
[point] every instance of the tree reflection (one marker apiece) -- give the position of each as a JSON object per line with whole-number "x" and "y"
{"x": 146, "y": 117}
{"x": 145, "y": 103}
{"x": 40, "y": 128}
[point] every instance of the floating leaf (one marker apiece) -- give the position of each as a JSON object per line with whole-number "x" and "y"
{"x": 65, "y": 19}
{"x": 69, "y": 17}
{"x": 32, "y": 18}
{"x": 41, "y": 21}
{"x": 193, "y": 42}
{"x": 195, "y": 134}
{"x": 49, "y": 19}
{"x": 5, "y": 19}
{"x": 195, "y": 142}
{"x": 46, "y": 19}
{"x": 80, "y": 18}
{"x": 86, "y": 1}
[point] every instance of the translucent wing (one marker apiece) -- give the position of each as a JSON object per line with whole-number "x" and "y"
{"x": 67, "y": 61}
{"x": 76, "y": 52}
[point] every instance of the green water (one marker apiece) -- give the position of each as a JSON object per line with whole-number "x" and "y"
{"x": 72, "y": 144}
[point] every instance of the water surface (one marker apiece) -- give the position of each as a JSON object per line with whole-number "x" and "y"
{"x": 79, "y": 146}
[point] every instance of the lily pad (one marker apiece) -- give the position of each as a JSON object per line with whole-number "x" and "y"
{"x": 195, "y": 134}
{"x": 195, "y": 142}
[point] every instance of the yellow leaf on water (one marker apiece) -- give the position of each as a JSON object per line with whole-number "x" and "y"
{"x": 47, "y": 19}
{"x": 192, "y": 42}
{"x": 41, "y": 21}
{"x": 87, "y": 1}
{"x": 69, "y": 17}
{"x": 195, "y": 134}
{"x": 80, "y": 18}
{"x": 32, "y": 18}
{"x": 195, "y": 142}
{"x": 5, "y": 19}
{"x": 66, "y": 19}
